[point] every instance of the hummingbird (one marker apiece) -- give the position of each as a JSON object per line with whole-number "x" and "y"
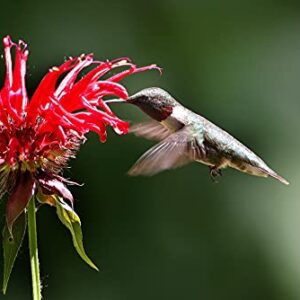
{"x": 185, "y": 137}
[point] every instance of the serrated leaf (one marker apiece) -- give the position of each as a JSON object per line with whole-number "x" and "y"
{"x": 72, "y": 221}
{"x": 11, "y": 246}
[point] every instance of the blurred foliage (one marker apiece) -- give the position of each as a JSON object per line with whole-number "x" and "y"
{"x": 176, "y": 235}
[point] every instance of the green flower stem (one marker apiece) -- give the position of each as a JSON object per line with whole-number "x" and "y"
{"x": 33, "y": 250}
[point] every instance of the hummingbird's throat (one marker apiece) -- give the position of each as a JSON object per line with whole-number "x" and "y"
{"x": 158, "y": 113}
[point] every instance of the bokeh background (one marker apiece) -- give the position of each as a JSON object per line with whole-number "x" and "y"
{"x": 176, "y": 235}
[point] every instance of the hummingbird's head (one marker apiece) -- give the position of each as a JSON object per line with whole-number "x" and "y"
{"x": 155, "y": 102}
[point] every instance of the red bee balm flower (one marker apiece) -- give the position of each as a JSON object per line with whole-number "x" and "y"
{"x": 38, "y": 136}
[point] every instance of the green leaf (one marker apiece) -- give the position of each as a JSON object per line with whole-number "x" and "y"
{"x": 71, "y": 220}
{"x": 11, "y": 246}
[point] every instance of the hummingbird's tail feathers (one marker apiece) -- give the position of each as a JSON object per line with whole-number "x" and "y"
{"x": 257, "y": 168}
{"x": 151, "y": 130}
{"x": 281, "y": 179}
{"x": 269, "y": 172}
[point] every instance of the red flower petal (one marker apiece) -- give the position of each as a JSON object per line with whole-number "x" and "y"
{"x": 13, "y": 94}
{"x": 45, "y": 89}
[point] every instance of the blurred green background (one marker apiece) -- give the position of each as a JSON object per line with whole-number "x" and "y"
{"x": 176, "y": 235}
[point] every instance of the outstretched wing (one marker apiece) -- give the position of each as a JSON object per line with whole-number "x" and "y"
{"x": 151, "y": 130}
{"x": 176, "y": 150}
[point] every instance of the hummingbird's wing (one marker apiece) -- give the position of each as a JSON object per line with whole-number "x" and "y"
{"x": 151, "y": 130}
{"x": 176, "y": 150}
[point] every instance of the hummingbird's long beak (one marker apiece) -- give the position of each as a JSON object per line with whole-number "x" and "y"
{"x": 115, "y": 101}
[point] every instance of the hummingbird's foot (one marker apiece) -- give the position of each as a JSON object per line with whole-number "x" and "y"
{"x": 214, "y": 173}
